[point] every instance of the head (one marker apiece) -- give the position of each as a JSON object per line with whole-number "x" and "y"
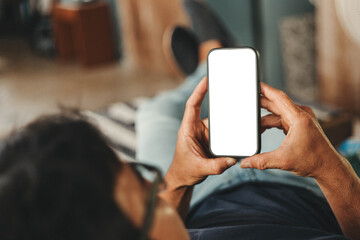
{"x": 59, "y": 179}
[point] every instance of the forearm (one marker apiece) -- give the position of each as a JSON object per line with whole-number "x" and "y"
{"x": 341, "y": 187}
{"x": 177, "y": 196}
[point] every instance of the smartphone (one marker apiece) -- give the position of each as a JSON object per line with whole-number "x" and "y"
{"x": 234, "y": 109}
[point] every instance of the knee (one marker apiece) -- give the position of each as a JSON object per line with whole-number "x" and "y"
{"x": 144, "y": 108}
{"x": 143, "y": 113}
{"x": 160, "y": 107}
{"x": 149, "y": 108}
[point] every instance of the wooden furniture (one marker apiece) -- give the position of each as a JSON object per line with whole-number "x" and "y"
{"x": 143, "y": 26}
{"x": 84, "y": 32}
{"x": 338, "y": 128}
{"x": 338, "y": 58}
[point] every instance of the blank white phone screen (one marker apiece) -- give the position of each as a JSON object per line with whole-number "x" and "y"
{"x": 233, "y": 106}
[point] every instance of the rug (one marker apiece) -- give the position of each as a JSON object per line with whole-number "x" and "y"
{"x": 117, "y": 123}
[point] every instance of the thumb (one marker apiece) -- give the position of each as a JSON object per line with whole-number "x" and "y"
{"x": 260, "y": 161}
{"x": 217, "y": 166}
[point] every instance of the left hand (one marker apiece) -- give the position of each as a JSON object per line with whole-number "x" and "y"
{"x": 305, "y": 151}
{"x": 192, "y": 161}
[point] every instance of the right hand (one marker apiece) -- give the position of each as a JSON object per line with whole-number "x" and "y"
{"x": 192, "y": 161}
{"x": 305, "y": 151}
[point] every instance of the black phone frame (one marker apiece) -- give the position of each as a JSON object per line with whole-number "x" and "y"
{"x": 257, "y": 100}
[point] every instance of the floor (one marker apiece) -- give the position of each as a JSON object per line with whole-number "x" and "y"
{"x": 31, "y": 85}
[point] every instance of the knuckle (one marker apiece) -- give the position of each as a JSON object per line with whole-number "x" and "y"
{"x": 261, "y": 164}
{"x": 281, "y": 95}
{"x": 311, "y": 110}
{"x": 217, "y": 170}
{"x": 189, "y": 103}
{"x": 286, "y": 165}
{"x": 306, "y": 119}
{"x": 308, "y": 109}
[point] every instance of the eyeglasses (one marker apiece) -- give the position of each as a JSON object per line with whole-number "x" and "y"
{"x": 153, "y": 175}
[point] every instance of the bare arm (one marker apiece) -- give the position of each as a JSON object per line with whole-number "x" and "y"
{"x": 307, "y": 152}
{"x": 178, "y": 197}
{"x": 341, "y": 187}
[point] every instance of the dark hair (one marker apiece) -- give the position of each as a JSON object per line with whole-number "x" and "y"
{"x": 57, "y": 182}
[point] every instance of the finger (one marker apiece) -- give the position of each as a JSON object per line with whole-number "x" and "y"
{"x": 271, "y": 107}
{"x": 308, "y": 110}
{"x": 287, "y": 109}
{"x": 261, "y": 161}
{"x": 206, "y": 129}
{"x": 193, "y": 104}
{"x": 215, "y": 166}
{"x": 268, "y": 105}
{"x": 206, "y": 122}
{"x": 270, "y": 121}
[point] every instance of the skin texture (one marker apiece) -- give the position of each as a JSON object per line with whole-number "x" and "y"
{"x": 133, "y": 203}
{"x": 192, "y": 161}
{"x": 306, "y": 151}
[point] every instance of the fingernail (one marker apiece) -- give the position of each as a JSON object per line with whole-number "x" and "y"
{"x": 230, "y": 162}
{"x": 245, "y": 164}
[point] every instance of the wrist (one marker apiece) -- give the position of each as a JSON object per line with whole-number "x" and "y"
{"x": 329, "y": 161}
{"x": 330, "y": 165}
{"x": 177, "y": 195}
{"x": 175, "y": 190}
{"x": 174, "y": 183}
{"x": 335, "y": 171}
{"x": 176, "y": 177}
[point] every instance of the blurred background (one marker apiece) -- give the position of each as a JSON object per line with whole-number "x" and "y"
{"x": 93, "y": 54}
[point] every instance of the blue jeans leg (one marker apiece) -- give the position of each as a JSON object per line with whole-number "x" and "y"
{"x": 158, "y": 122}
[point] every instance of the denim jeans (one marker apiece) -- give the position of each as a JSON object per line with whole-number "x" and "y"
{"x": 158, "y": 122}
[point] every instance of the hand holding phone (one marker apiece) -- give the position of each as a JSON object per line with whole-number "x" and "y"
{"x": 192, "y": 161}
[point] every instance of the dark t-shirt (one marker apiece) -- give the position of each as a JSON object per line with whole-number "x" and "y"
{"x": 259, "y": 210}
